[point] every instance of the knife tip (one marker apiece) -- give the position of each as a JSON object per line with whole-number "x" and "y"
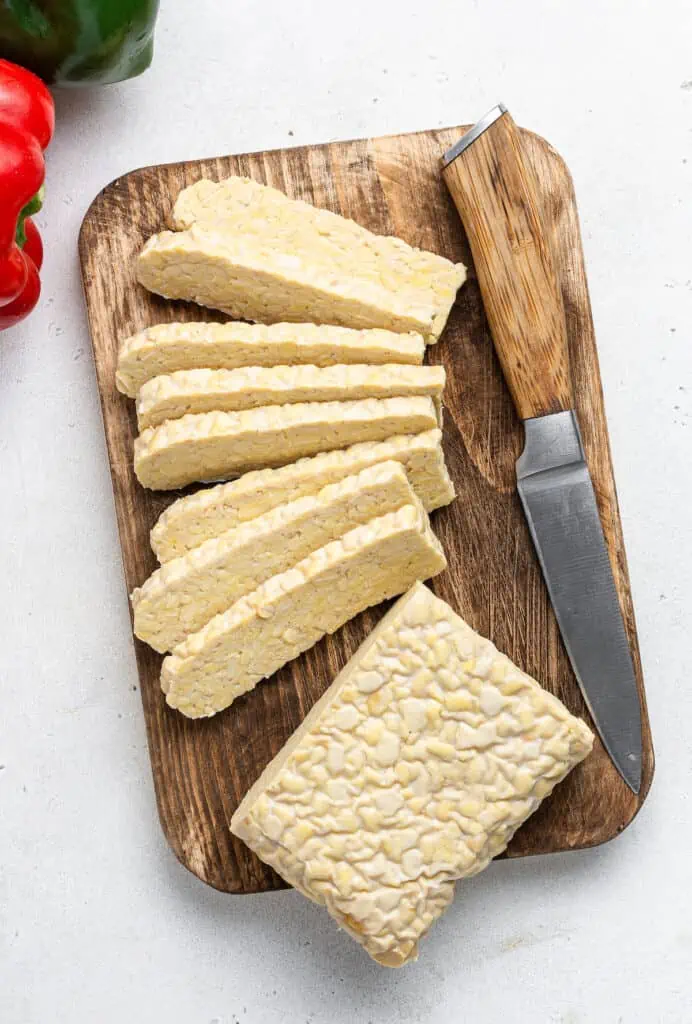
{"x": 631, "y": 772}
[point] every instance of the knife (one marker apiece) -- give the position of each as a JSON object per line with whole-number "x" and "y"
{"x": 496, "y": 193}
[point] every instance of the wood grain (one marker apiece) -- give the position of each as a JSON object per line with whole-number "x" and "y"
{"x": 496, "y": 193}
{"x": 392, "y": 185}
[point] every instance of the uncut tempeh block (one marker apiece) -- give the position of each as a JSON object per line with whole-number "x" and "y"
{"x": 197, "y": 517}
{"x": 413, "y": 770}
{"x": 213, "y": 445}
{"x": 165, "y": 348}
{"x": 292, "y": 611}
{"x": 174, "y": 395}
{"x": 256, "y": 254}
{"x": 183, "y": 595}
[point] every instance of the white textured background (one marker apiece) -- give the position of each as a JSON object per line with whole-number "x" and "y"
{"x": 98, "y": 923}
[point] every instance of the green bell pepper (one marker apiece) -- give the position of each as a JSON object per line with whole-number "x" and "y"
{"x": 79, "y": 42}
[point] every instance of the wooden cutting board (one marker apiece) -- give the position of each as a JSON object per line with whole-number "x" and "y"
{"x": 393, "y": 186}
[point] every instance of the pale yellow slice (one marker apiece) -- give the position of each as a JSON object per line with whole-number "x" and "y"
{"x": 217, "y": 445}
{"x": 292, "y": 611}
{"x": 196, "y": 518}
{"x": 413, "y": 770}
{"x": 258, "y": 255}
{"x": 165, "y": 348}
{"x": 192, "y": 391}
{"x": 183, "y": 595}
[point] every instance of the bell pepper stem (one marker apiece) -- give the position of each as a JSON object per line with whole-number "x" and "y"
{"x": 28, "y": 210}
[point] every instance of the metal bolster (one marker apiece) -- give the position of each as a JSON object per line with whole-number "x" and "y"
{"x": 550, "y": 442}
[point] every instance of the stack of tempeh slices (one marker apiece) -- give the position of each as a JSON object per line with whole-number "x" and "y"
{"x": 331, "y": 427}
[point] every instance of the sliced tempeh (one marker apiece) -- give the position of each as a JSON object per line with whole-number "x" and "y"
{"x": 191, "y": 391}
{"x": 413, "y": 770}
{"x": 292, "y": 611}
{"x": 214, "y": 445}
{"x": 258, "y": 255}
{"x": 191, "y": 520}
{"x": 183, "y": 595}
{"x": 165, "y": 348}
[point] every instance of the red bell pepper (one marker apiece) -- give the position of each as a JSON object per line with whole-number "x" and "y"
{"x": 27, "y": 119}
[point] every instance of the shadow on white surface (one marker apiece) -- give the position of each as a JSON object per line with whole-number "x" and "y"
{"x": 457, "y": 939}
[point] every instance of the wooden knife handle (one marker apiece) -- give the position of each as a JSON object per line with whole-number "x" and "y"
{"x": 495, "y": 192}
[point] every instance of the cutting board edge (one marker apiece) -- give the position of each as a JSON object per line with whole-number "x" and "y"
{"x": 281, "y": 885}
{"x": 303, "y": 146}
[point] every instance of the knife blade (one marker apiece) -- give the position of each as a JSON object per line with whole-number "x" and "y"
{"x": 495, "y": 192}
